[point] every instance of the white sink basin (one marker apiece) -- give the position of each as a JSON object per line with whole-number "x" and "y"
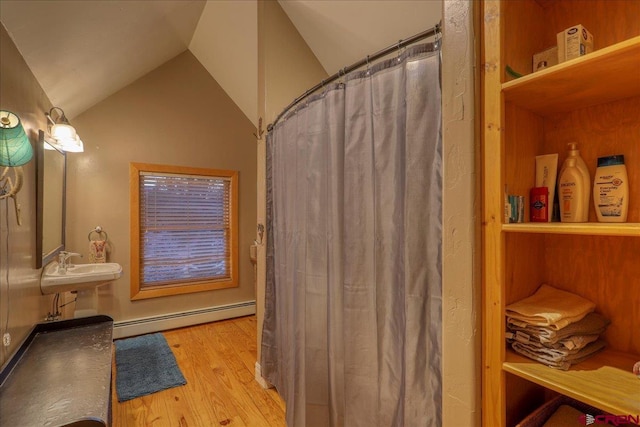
{"x": 79, "y": 277}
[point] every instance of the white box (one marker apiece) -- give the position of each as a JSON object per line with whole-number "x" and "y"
{"x": 545, "y": 59}
{"x": 574, "y": 42}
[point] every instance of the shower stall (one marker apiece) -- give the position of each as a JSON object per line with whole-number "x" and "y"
{"x": 358, "y": 237}
{"x": 352, "y": 329}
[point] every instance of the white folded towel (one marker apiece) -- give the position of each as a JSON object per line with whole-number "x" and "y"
{"x": 556, "y": 351}
{"x": 591, "y": 324}
{"x": 556, "y": 360}
{"x": 550, "y": 307}
{"x": 574, "y": 342}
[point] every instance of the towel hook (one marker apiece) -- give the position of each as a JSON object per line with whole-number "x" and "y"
{"x": 100, "y": 232}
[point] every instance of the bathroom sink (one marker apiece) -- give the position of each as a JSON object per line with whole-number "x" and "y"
{"x": 78, "y": 277}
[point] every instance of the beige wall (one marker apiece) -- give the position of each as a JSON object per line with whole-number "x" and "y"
{"x": 21, "y": 93}
{"x": 175, "y": 115}
{"x": 286, "y": 65}
{"x": 286, "y": 68}
{"x": 461, "y": 282}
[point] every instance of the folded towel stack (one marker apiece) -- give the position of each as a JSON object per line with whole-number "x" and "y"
{"x": 554, "y": 327}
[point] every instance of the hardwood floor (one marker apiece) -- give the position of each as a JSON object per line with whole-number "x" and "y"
{"x": 217, "y": 359}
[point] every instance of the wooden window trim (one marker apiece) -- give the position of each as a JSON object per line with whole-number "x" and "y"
{"x": 187, "y": 287}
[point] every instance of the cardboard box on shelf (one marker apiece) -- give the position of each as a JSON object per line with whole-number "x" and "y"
{"x": 545, "y": 59}
{"x": 574, "y": 42}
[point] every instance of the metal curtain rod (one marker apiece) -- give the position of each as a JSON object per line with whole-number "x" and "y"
{"x": 384, "y": 52}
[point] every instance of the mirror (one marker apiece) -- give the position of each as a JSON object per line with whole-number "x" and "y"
{"x": 50, "y": 204}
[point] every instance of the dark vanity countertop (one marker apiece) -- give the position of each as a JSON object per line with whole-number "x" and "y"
{"x": 60, "y": 375}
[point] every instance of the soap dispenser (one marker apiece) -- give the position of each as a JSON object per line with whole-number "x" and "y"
{"x": 584, "y": 184}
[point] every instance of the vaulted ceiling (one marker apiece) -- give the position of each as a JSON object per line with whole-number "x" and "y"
{"x": 81, "y": 52}
{"x": 341, "y": 32}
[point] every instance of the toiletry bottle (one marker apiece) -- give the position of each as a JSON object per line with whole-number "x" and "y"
{"x": 611, "y": 189}
{"x": 572, "y": 204}
{"x": 539, "y": 204}
{"x": 546, "y": 176}
{"x": 574, "y": 153}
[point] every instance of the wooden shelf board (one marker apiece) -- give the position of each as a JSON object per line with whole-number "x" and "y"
{"x": 604, "y": 381}
{"x": 584, "y": 228}
{"x": 578, "y": 83}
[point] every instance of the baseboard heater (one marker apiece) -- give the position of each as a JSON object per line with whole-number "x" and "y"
{"x": 145, "y": 325}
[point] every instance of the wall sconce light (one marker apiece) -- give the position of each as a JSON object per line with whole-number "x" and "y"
{"x": 65, "y": 135}
{"x": 15, "y": 151}
{"x": 15, "y": 148}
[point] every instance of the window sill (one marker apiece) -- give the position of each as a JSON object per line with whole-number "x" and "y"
{"x": 181, "y": 288}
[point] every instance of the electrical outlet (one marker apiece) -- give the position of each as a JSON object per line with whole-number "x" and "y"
{"x": 6, "y": 339}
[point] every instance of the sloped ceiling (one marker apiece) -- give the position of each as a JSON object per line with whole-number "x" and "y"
{"x": 226, "y": 44}
{"x": 341, "y": 32}
{"x": 81, "y": 52}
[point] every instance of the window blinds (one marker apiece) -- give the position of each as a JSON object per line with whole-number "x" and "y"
{"x": 184, "y": 228}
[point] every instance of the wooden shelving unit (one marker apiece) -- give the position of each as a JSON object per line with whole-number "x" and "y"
{"x": 603, "y": 381}
{"x": 577, "y": 83}
{"x": 586, "y": 228}
{"x": 593, "y": 100}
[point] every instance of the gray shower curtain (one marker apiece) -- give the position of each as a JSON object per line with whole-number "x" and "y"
{"x": 352, "y": 328}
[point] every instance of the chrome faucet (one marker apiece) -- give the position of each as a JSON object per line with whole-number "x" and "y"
{"x": 63, "y": 264}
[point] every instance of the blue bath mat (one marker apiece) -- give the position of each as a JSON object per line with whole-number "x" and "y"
{"x": 145, "y": 365}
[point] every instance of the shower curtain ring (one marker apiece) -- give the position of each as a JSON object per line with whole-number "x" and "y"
{"x": 342, "y": 73}
{"x": 438, "y": 32}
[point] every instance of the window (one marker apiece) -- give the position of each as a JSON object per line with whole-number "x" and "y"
{"x": 184, "y": 235}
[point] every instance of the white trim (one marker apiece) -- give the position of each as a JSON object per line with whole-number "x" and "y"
{"x": 145, "y": 325}
{"x": 260, "y": 379}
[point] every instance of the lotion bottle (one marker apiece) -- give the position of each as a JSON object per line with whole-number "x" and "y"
{"x": 571, "y": 192}
{"x": 611, "y": 189}
{"x": 574, "y": 153}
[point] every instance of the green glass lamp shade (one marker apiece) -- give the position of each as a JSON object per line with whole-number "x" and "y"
{"x": 15, "y": 148}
